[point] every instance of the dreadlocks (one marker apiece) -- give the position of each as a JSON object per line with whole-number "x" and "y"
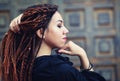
{"x": 18, "y": 50}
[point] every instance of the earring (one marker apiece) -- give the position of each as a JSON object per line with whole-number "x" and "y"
{"x": 43, "y": 36}
{"x": 29, "y": 48}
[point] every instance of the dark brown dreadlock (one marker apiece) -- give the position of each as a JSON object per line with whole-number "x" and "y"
{"x": 18, "y": 50}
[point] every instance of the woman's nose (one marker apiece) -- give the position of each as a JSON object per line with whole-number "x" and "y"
{"x": 65, "y": 31}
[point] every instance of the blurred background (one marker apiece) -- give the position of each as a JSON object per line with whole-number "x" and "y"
{"x": 93, "y": 24}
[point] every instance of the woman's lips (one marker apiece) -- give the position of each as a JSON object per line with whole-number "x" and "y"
{"x": 65, "y": 38}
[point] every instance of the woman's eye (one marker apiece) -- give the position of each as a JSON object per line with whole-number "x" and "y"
{"x": 59, "y": 26}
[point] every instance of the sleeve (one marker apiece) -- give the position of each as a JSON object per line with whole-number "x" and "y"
{"x": 68, "y": 73}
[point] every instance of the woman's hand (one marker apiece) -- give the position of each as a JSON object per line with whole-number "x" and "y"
{"x": 71, "y": 48}
{"x": 14, "y": 23}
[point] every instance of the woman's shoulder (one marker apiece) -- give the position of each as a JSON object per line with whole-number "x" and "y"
{"x": 54, "y": 59}
{"x": 51, "y": 61}
{"x": 62, "y": 69}
{"x": 53, "y": 64}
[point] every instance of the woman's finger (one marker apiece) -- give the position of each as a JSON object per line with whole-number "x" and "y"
{"x": 64, "y": 51}
{"x": 14, "y": 23}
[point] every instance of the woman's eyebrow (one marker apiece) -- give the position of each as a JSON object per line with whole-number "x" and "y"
{"x": 59, "y": 21}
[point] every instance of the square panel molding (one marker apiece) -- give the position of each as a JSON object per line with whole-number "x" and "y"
{"x": 4, "y": 20}
{"x": 103, "y": 18}
{"x": 75, "y": 19}
{"x": 104, "y": 46}
{"x": 108, "y": 72}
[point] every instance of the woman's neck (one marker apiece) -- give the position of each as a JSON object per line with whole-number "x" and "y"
{"x": 44, "y": 50}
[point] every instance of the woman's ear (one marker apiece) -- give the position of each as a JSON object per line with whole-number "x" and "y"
{"x": 39, "y": 33}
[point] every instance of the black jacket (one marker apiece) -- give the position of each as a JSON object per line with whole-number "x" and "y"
{"x": 58, "y": 68}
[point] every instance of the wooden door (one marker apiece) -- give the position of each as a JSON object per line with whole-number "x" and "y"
{"x": 94, "y": 25}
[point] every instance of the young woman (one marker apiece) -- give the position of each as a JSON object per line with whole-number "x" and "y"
{"x": 26, "y": 49}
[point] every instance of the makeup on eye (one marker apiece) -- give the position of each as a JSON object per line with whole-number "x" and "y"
{"x": 59, "y": 25}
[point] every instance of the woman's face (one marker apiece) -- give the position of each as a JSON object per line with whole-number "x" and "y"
{"x": 55, "y": 34}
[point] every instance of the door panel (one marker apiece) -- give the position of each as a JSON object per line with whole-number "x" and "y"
{"x": 93, "y": 26}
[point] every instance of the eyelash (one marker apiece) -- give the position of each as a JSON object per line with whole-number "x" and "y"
{"x": 59, "y": 26}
